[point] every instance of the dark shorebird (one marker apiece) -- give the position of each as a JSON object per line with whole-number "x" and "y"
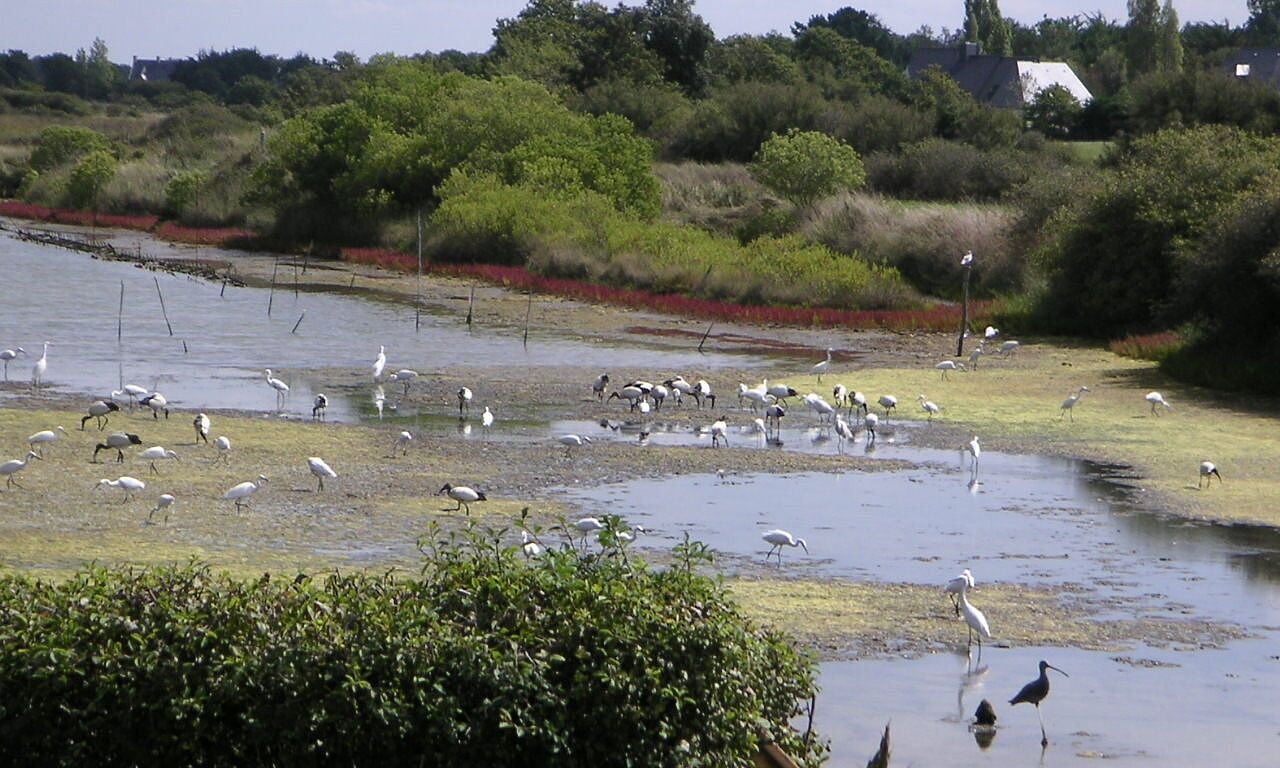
{"x": 1035, "y": 692}
{"x": 118, "y": 441}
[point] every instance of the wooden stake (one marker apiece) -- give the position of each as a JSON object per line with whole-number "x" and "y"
{"x": 527, "y": 311}
{"x": 163, "y": 312}
{"x": 120, "y": 315}
{"x": 417, "y": 302}
{"x": 704, "y": 336}
{"x": 964, "y": 314}
{"x": 295, "y": 325}
{"x": 272, "y": 298}
{"x": 471, "y": 305}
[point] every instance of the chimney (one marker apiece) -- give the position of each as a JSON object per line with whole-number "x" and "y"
{"x": 970, "y": 50}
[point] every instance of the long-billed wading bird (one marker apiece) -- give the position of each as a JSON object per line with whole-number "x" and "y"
{"x": 157, "y": 403}
{"x": 223, "y": 444}
{"x": 948, "y": 365}
{"x": 157, "y": 453}
{"x": 1157, "y": 400}
{"x": 463, "y": 495}
{"x": 100, "y": 410}
{"x": 43, "y": 438}
{"x": 201, "y": 424}
{"x": 956, "y": 585}
{"x": 379, "y": 363}
{"x": 529, "y": 545}
{"x": 280, "y": 387}
{"x": 974, "y": 618}
{"x": 11, "y": 468}
{"x": 464, "y": 400}
{"x": 119, "y": 441}
{"x": 38, "y": 370}
{"x": 777, "y": 539}
{"x": 888, "y": 403}
{"x": 404, "y": 376}
{"x": 129, "y": 485}
{"x": 321, "y": 470}
{"x": 928, "y": 406}
{"x": 134, "y": 391}
{"x": 598, "y": 386}
{"x": 871, "y": 422}
{"x": 824, "y": 366}
{"x": 402, "y": 442}
{"x": 719, "y": 431}
{"x": 572, "y": 441}
{"x": 1208, "y": 471}
{"x": 843, "y": 432}
{"x": 164, "y": 502}
{"x": 241, "y": 492}
{"x": 486, "y": 419}
{"x": 9, "y": 354}
{"x": 974, "y": 449}
{"x": 1035, "y": 692}
{"x": 1068, "y": 405}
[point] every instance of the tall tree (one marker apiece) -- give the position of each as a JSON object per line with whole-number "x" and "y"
{"x": 1142, "y": 35}
{"x": 1169, "y": 42}
{"x": 984, "y": 25}
{"x": 1263, "y": 25}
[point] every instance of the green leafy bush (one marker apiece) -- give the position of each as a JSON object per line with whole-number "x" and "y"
{"x": 60, "y": 144}
{"x": 485, "y": 659}
{"x": 804, "y": 166}
{"x": 90, "y": 174}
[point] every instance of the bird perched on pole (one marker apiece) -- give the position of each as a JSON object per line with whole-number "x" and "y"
{"x": 1035, "y": 692}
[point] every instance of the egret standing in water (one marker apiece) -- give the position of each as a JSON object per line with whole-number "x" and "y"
{"x": 280, "y": 387}
{"x": 1035, "y": 692}
{"x": 974, "y": 618}
{"x": 7, "y": 355}
{"x": 928, "y": 406}
{"x": 777, "y": 539}
{"x": 464, "y": 400}
{"x": 974, "y": 449}
{"x": 719, "y": 431}
{"x": 320, "y": 469}
{"x": 42, "y": 365}
{"x": 957, "y": 585}
{"x": 824, "y": 366}
{"x": 380, "y": 363}
{"x": 486, "y": 419}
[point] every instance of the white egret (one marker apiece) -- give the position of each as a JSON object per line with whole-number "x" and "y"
{"x": 320, "y": 469}
{"x": 1008, "y": 348}
{"x": 967, "y": 259}
{"x": 589, "y": 525}
{"x": 157, "y": 453}
{"x": 99, "y": 410}
{"x": 379, "y": 399}
{"x": 1207, "y": 472}
{"x": 571, "y": 441}
{"x": 119, "y": 441}
{"x": 319, "y": 406}
{"x": 11, "y": 468}
{"x": 464, "y": 399}
{"x": 463, "y": 495}
{"x": 598, "y": 386}
{"x": 679, "y": 387}
{"x": 404, "y": 376}
{"x": 38, "y": 370}
{"x": 820, "y": 407}
{"x": 164, "y": 502}
{"x": 974, "y": 449}
{"x": 777, "y": 539}
{"x": 977, "y": 353}
{"x": 659, "y": 395}
{"x": 157, "y": 403}
{"x": 843, "y": 432}
{"x": 948, "y": 365}
{"x": 9, "y": 354}
{"x": 134, "y": 391}
{"x": 202, "y": 424}
{"x": 957, "y": 584}
{"x": 402, "y": 442}
{"x": 241, "y": 492}
{"x": 46, "y": 437}
{"x": 380, "y": 363}
{"x": 486, "y": 419}
{"x": 719, "y": 431}
{"x": 1069, "y": 404}
{"x": 757, "y": 396}
{"x": 1157, "y": 399}
{"x": 223, "y": 444}
{"x": 824, "y": 366}
{"x": 888, "y": 403}
{"x": 280, "y": 387}
{"x": 130, "y": 486}
{"x": 928, "y": 406}
{"x": 529, "y": 545}
{"x": 974, "y": 618}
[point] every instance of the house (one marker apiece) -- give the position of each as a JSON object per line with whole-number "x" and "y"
{"x": 1255, "y": 65}
{"x": 998, "y": 81}
{"x": 155, "y": 70}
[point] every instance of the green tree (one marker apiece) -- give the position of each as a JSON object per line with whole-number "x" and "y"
{"x": 746, "y": 57}
{"x": 1168, "y": 40}
{"x": 1263, "y": 26}
{"x": 60, "y": 144}
{"x": 89, "y": 176}
{"x": 182, "y": 191}
{"x": 1053, "y": 112}
{"x": 804, "y": 166}
{"x": 984, "y": 25}
{"x": 846, "y": 69}
{"x": 864, "y": 28}
{"x": 1142, "y": 36}
{"x": 680, "y": 38}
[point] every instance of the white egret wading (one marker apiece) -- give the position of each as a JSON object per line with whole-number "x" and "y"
{"x": 280, "y": 387}
{"x": 9, "y": 354}
{"x": 777, "y": 539}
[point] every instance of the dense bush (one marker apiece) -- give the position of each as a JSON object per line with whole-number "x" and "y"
{"x": 569, "y": 660}
{"x": 803, "y": 166}
{"x": 935, "y": 169}
{"x": 60, "y": 144}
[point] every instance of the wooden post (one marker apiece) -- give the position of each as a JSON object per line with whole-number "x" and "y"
{"x": 120, "y": 315}
{"x": 295, "y": 325}
{"x": 964, "y": 312}
{"x": 527, "y": 311}
{"x": 471, "y": 303}
{"x": 163, "y": 312}
{"x": 417, "y": 301}
{"x": 272, "y": 297}
{"x": 704, "y": 336}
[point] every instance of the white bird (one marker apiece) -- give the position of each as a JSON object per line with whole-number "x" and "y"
{"x": 134, "y": 391}
{"x": 757, "y": 396}
{"x": 379, "y": 399}
{"x": 486, "y": 418}
{"x": 1008, "y": 347}
{"x": 464, "y": 399}
{"x": 843, "y": 432}
{"x": 157, "y": 453}
{"x": 974, "y": 618}
{"x": 948, "y": 365}
{"x": 679, "y": 387}
{"x": 598, "y": 386}
{"x": 157, "y": 403}
{"x": 319, "y": 406}
{"x": 871, "y": 421}
{"x": 202, "y": 424}
{"x": 11, "y": 468}
{"x": 7, "y": 355}
{"x": 822, "y": 367}
{"x": 631, "y": 394}
{"x": 858, "y": 401}
{"x": 240, "y": 493}
{"x": 780, "y": 391}
{"x": 626, "y": 537}
{"x": 1207, "y": 472}
{"x": 977, "y": 352}
{"x": 379, "y": 363}
{"x": 402, "y": 442}
{"x": 821, "y": 408}
{"x": 888, "y": 403}
{"x": 529, "y": 545}
{"x": 967, "y": 259}
{"x": 37, "y": 370}
{"x": 974, "y": 450}
{"x": 928, "y": 406}
{"x": 164, "y": 502}
{"x": 777, "y": 539}
{"x": 719, "y": 431}
{"x": 1069, "y": 404}
{"x": 223, "y": 444}
{"x": 46, "y": 437}
{"x": 571, "y": 441}
{"x": 659, "y": 395}
{"x": 130, "y": 486}
{"x": 280, "y": 387}
{"x": 1156, "y": 399}
{"x": 463, "y": 495}
{"x": 990, "y": 333}
{"x": 956, "y": 585}
{"x": 119, "y": 441}
{"x": 589, "y": 525}
{"x": 840, "y": 394}
{"x": 320, "y": 469}
{"x": 404, "y": 376}
{"x": 702, "y": 392}
{"x": 757, "y": 426}
{"x": 774, "y": 413}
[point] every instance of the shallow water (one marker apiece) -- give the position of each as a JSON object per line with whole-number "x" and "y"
{"x": 73, "y": 301}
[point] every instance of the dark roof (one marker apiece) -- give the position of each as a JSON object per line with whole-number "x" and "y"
{"x": 991, "y": 80}
{"x": 153, "y": 70}
{"x": 1256, "y": 65}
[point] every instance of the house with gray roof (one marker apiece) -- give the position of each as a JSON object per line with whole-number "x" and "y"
{"x": 998, "y": 81}
{"x": 153, "y": 70}
{"x": 1255, "y": 65}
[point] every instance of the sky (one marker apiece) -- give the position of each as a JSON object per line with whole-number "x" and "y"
{"x": 320, "y": 28}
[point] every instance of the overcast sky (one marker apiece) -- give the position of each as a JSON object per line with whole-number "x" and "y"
{"x": 320, "y": 28}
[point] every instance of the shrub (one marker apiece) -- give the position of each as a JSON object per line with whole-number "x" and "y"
{"x": 181, "y": 191}
{"x": 804, "y": 166}
{"x": 482, "y": 660}
{"x": 936, "y": 169}
{"x": 90, "y": 174}
{"x": 60, "y": 144}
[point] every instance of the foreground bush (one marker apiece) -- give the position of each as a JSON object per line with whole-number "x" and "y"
{"x": 483, "y": 660}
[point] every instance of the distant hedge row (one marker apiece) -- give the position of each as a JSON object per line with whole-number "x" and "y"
{"x": 483, "y": 660}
